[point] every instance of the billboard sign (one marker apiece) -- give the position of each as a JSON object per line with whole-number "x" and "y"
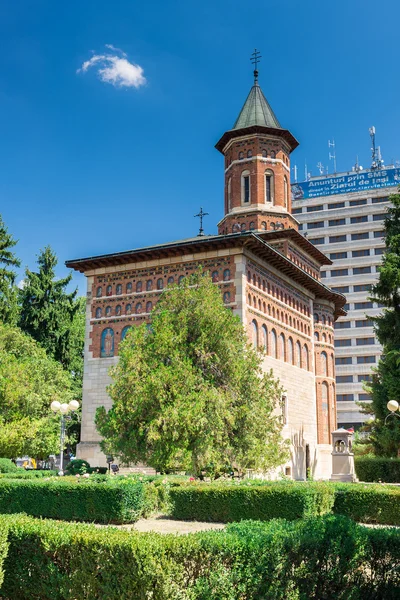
{"x": 345, "y": 184}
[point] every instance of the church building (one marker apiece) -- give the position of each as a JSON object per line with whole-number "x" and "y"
{"x": 268, "y": 274}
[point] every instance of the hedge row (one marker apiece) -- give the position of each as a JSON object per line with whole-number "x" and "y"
{"x": 328, "y": 557}
{"x": 110, "y": 502}
{"x": 225, "y": 504}
{"x": 22, "y": 474}
{"x": 371, "y": 469}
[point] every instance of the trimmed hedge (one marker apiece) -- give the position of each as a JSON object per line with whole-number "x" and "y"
{"x": 7, "y": 466}
{"x": 109, "y": 502}
{"x": 22, "y": 474}
{"x": 368, "y": 503}
{"x": 3, "y": 546}
{"x": 228, "y": 503}
{"x": 328, "y": 557}
{"x": 377, "y": 469}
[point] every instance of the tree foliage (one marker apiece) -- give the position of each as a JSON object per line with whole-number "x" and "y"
{"x": 189, "y": 393}
{"x": 384, "y": 434}
{"x": 54, "y": 317}
{"x": 29, "y": 382}
{"x": 8, "y": 290}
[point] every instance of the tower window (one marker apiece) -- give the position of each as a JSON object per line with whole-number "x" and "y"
{"x": 229, "y": 193}
{"x": 99, "y": 292}
{"x": 245, "y": 187}
{"x": 285, "y": 191}
{"x": 264, "y": 154}
{"x": 269, "y": 186}
{"x": 98, "y": 313}
{"x": 252, "y": 226}
{"x": 160, "y": 284}
{"x": 149, "y": 285}
{"x": 249, "y": 154}
{"x": 273, "y": 154}
{"x": 241, "y": 155}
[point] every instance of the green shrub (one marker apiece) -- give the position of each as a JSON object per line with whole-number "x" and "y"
{"x": 312, "y": 559}
{"x": 7, "y": 466}
{"x": 3, "y": 545}
{"x": 78, "y": 466}
{"x": 119, "y": 502}
{"x": 368, "y": 503}
{"x": 22, "y": 474}
{"x": 97, "y": 470}
{"x": 377, "y": 469}
{"x": 227, "y": 503}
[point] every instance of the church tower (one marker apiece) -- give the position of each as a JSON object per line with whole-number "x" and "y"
{"x": 257, "y": 169}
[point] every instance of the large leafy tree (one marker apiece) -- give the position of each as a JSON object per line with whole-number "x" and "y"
{"x": 52, "y": 316}
{"x": 189, "y": 392}
{"x": 8, "y": 290}
{"x": 384, "y": 434}
{"x": 29, "y": 382}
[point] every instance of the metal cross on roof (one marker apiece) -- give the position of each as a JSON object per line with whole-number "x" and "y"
{"x": 255, "y": 59}
{"x": 201, "y": 215}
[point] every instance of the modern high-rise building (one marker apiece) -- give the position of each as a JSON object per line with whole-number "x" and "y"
{"x": 343, "y": 215}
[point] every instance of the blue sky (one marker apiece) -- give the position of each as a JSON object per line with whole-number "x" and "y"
{"x": 95, "y": 162}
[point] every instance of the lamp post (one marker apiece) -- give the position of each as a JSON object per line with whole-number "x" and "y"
{"x": 63, "y": 409}
{"x": 392, "y": 406}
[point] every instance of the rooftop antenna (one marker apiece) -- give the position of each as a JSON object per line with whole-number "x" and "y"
{"x": 377, "y": 160}
{"x": 331, "y": 144}
{"x": 321, "y": 168}
{"x": 201, "y": 215}
{"x": 307, "y": 175}
{"x": 295, "y": 173}
{"x": 255, "y": 59}
{"x": 357, "y": 167}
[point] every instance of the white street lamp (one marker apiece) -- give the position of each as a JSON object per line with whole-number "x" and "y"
{"x": 393, "y": 405}
{"x": 63, "y": 409}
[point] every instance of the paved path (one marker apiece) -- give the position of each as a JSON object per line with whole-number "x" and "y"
{"x": 165, "y": 525}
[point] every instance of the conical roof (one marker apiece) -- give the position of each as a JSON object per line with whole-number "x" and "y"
{"x": 256, "y": 111}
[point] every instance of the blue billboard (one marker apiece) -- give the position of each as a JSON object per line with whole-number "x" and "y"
{"x": 345, "y": 184}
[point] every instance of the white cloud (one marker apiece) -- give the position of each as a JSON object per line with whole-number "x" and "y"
{"x": 114, "y": 68}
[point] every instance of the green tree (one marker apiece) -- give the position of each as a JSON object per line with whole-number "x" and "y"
{"x": 54, "y": 317}
{"x": 189, "y": 392}
{"x": 29, "y": 382}
{"x": 8, "y": 289}
{"x": 384, "y": 434}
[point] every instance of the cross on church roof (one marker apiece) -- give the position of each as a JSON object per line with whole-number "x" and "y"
{"x": 255, "y": 59}
{"x": 201, "y": 215}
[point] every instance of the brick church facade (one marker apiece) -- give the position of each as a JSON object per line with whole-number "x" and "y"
{"x": 268, "y": 274}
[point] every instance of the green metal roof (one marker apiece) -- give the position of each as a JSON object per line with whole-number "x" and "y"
{"x": 256, "y": 111}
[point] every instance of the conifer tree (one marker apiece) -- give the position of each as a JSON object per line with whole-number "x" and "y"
{"x": 51, "y": 315}
{"x": 385, "y": 385}
{"x": 8, "y": 289}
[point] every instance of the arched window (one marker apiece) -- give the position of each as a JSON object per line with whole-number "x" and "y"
{"x": 227, "y": 297}
{"x": 332, "y": 366}
{"x": 274, "y": 345}
{"x": 259, "y": 304}
{"x": 214, "y": 276}
{"x": 128, "y": 309}
{"x": 254, "y": 327}
{"x": 316, "y": 336}
{"x": 227, "y": 275}
{"x": 170, "y": 280}
{"x": 252, "y": 226}
{"x": 298, "y": 354}
{"x": 254, "y": 302}
{"x": 139, "y": 286}
{"x": 109, "y": 290}
{"x": 264, "y": 333}
{"x": 290, "y": 351}
{"x": 235, "y": 228}
{"x": 107, "y": 343}
{"x": 108, "y": 311}
{"x": 264, "y": 153}
{"x": 128, "y": 288}
{"x": 149, "y": 285}
{"x": 118, "y": 310}
{"x": 285, "y": 191}
{"x": 316, "y": 318}
{"x": 269, "y": 187}
{"x": 149, "y": 306}
{"x": 306, "y": 358}
{"x": 125, "y": 331}
{"x": 98, "y": 313}
{"x": 282, "y": 347}
{"x": 119, "y": 289}
{"x": 284, "y": 407}
{"x": 324, "y": 338}
{"x": 273, "y": 154}
{"x": 241, "y": 155}
{"x": 229, "y": 193}
{"x": 324, "y": 363}
{"x": 181, "y": 278}
{"x": 323, "y": 320}
{"x": 249, "y": 154}
{"x": 263, "y": 225}
{"x": 99, "y": 292}
{"x": 160, "y": 284}
{"x": 243, "y": 227}
{"x": 249, "y": 300}
{"x": 138, "y": 308}
{"x": 245, "y": 187}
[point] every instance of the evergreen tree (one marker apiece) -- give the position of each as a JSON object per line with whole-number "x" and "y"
{"x": 52, "y": 316}
{"x": 385, "y": 386}
{"x": 8, "y": 290}
{"x": 189, "y": 393}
